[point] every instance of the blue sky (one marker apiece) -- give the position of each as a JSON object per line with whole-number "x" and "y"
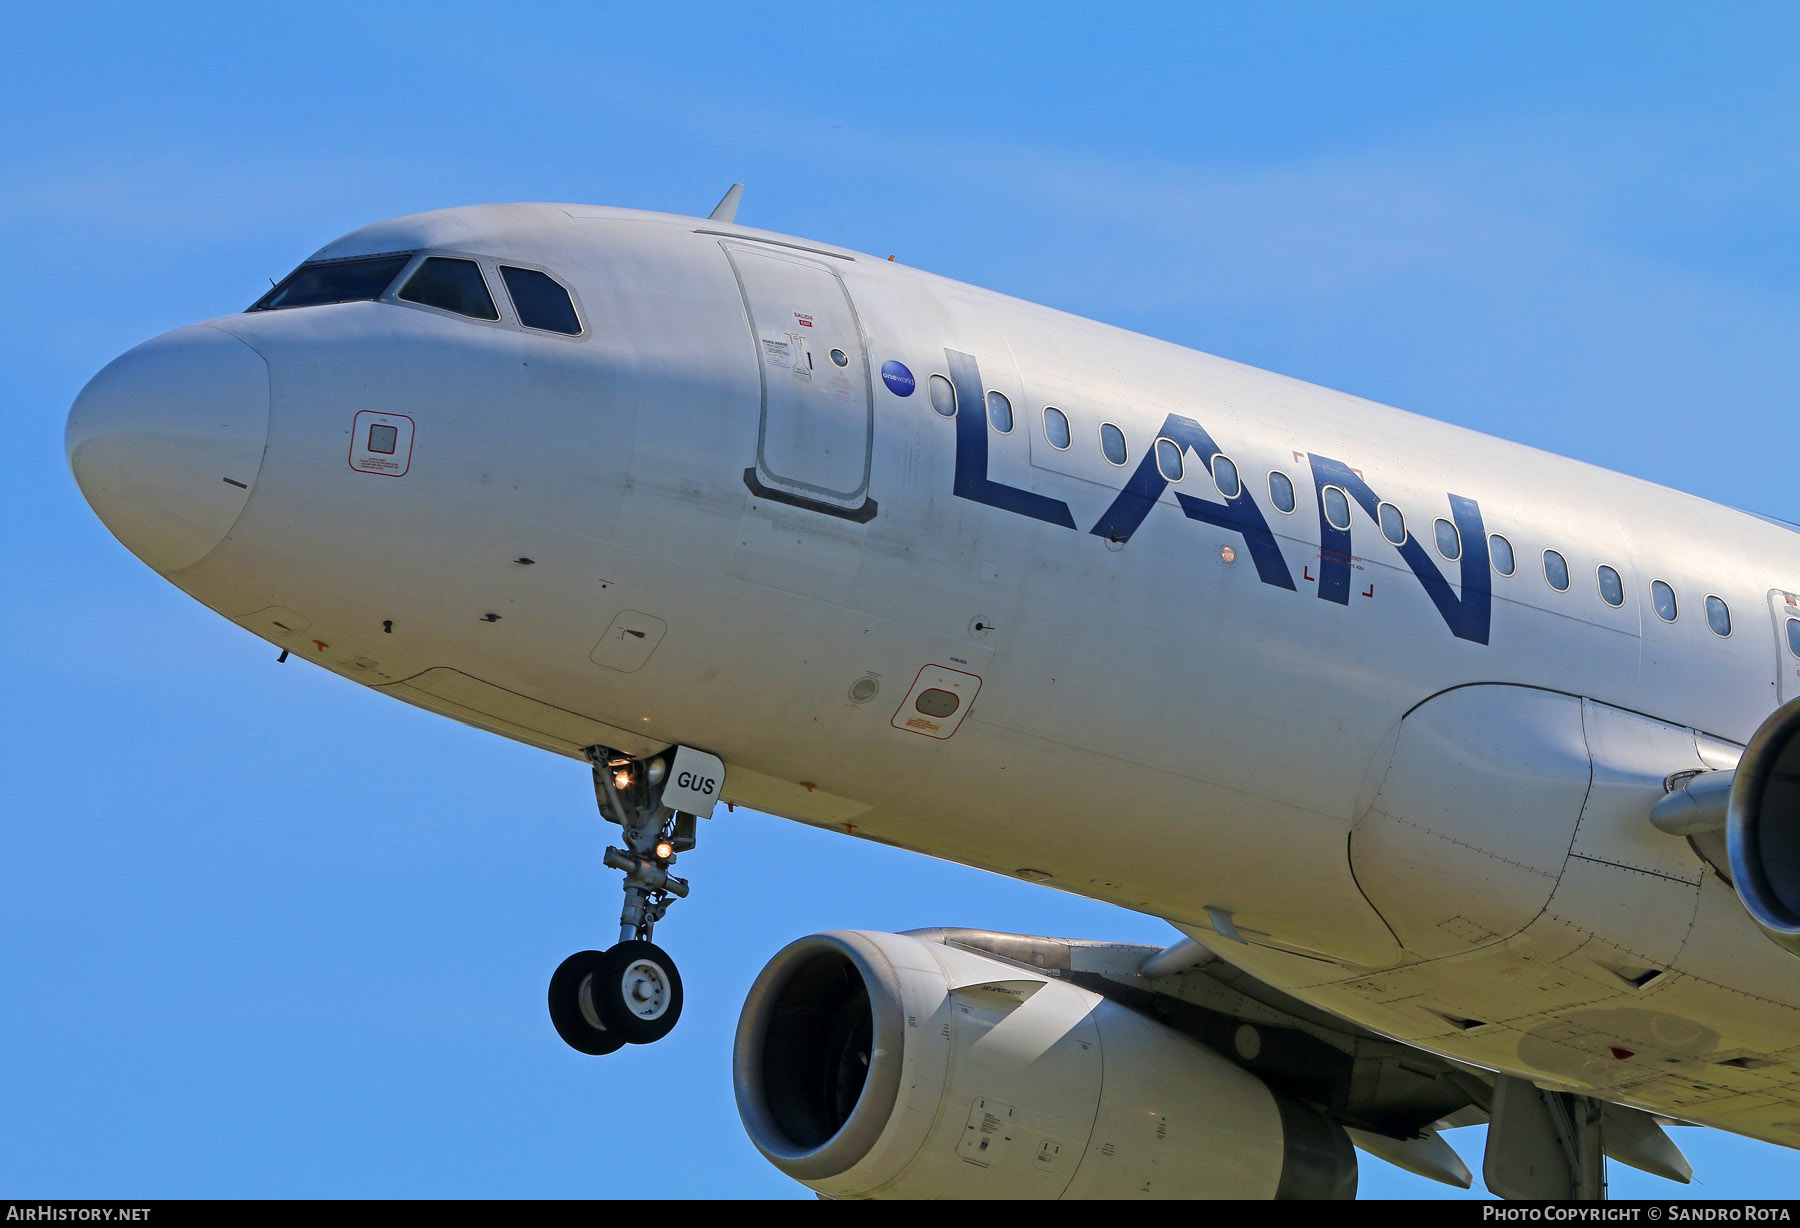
{"x": 265, "y": 933}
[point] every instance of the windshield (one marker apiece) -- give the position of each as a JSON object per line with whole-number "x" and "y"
{"x": 541, "y": 301}
{"x": 333, "y": 281}
{"x": 453, "y": 285}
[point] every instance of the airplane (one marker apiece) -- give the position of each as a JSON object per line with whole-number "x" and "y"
{"x": 1468, "y": 774}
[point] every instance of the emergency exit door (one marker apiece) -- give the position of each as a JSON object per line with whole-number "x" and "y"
{"x": 1786, "y": 608}
{"x": 817, "y": 426}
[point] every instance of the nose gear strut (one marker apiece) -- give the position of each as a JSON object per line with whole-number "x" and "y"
{"x": 631, "y": 992}
{"x": 630, "y": 794}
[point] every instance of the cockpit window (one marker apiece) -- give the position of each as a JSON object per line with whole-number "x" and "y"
{"x": 454, "y": 285}
{"x": 333, "y": 281}
{"x": 540, "y": 301}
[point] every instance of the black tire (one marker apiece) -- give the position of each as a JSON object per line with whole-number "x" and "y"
{"x": 637, "y": 992}
{"x": 569, "y": 984}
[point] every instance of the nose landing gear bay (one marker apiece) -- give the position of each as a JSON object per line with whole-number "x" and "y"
{"x": 630, "y": 993}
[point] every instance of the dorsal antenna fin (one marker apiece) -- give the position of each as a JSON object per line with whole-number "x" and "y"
{"x": 726, "y": 210}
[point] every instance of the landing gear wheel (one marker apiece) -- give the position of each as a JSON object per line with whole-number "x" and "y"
{"x": 637, "y": 992}
{"x": 572, "y": 1010}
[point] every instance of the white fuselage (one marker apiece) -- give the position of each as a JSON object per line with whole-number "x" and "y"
{"x": 729, "y": 555}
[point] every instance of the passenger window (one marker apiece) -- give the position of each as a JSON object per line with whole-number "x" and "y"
{"x": 1612, "y": 589}
{"x": 1225, "y": 477}
{"x": 1112, "y": 442}
{"x": 540, "y": 301}
{"x": 1281, "y": 492}
{"x": 1449, "y": 541}
{"x": 1168, "y": 460}
{"x": 454, "y": 285}
{"x": 943, "y": 396}
{"x": 1393, "y": 523}
{"x": 1556, "y": 571}
{"x": 1337, "y": 508}
{"x": 1793, "y": 630}
{"x": 1000, "y": 412}
{"x": 333, "y": 281}
{"x": 1663, "y": 598}
{"x": 1500, "y": 550}
{"x": 1718, "y": 616}
{"x": 1056, "y": 427}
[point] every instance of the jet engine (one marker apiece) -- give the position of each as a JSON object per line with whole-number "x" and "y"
{"x": 1746, "y": 822}
{"x": 883, "y": 1065}
{"x": 1762, "y": 826}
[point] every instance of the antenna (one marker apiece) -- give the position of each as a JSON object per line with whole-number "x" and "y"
{"x": 726, "y": 210}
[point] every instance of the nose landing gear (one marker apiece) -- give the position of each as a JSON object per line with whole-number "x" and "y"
{"x": 629, "y": 993}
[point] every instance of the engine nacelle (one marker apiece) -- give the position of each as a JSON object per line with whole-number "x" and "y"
{"x": 871, "y": 1064}
{"x": 1762, "y": 826}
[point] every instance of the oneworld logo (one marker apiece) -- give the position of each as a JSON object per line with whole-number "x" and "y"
{"x": 898, "y": 379}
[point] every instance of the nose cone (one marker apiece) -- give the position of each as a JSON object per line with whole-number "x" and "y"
{"x": 167, "y": 440}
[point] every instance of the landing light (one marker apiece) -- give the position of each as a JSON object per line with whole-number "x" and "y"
{"x": 664, "y": 850}
{"x": 622, "y": 778}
